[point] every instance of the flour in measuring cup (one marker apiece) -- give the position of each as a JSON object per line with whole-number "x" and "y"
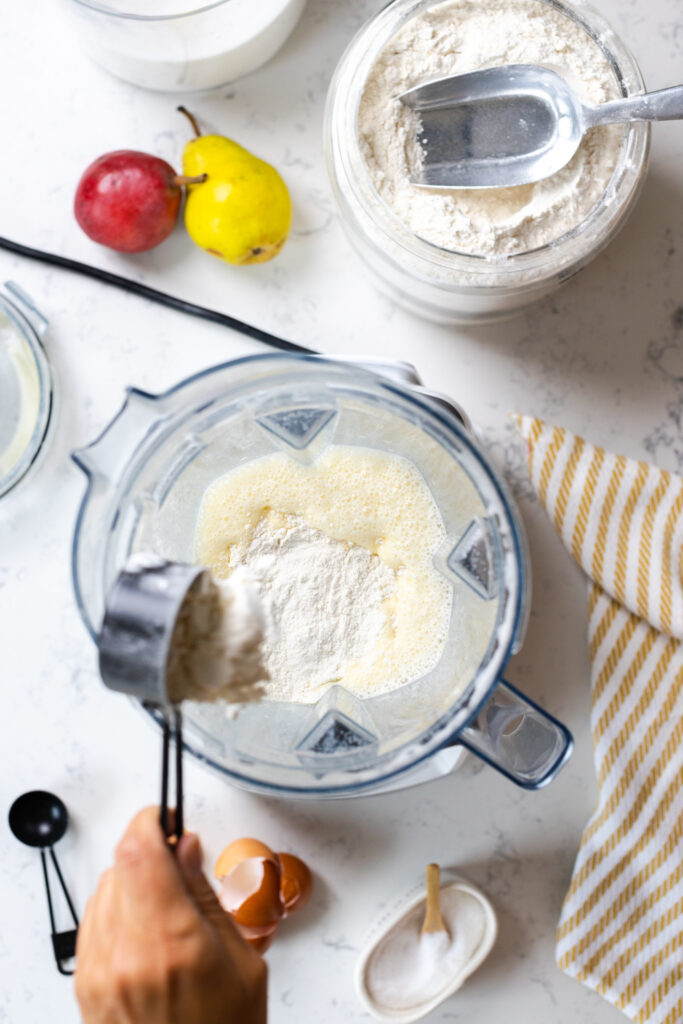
{"x": 216, "y": 650}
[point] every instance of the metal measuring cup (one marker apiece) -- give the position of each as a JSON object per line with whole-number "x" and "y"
{"x": 134, "y": 645}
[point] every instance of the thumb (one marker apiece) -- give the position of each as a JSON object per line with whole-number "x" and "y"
{"x": 189, "y": 858}
{"x": 146, "y": 874}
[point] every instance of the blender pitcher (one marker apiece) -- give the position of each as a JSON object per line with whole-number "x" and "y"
{"x": 146, "y": 476}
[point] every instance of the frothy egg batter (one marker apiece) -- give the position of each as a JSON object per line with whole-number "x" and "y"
{"x": 342, "y": 552}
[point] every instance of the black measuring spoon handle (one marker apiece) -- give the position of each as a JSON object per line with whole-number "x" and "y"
{"x": 63, "y": 943}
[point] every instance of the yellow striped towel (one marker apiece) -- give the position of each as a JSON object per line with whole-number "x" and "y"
{"x": 621, "y": 927}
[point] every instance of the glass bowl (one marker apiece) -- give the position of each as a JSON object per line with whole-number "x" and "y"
{"x": 456, "y": 287}
{"x": 27, "y": 397}
{"x": 174, "y": 46}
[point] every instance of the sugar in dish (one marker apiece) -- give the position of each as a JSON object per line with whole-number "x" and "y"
{"x": 403, "y": 974}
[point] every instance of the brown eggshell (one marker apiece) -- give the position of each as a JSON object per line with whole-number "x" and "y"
{"x": 239, "y": 850}
{"x": 251, "y": 893}
{"x": 296, "y": 884}
{"x": 259, "y": 939}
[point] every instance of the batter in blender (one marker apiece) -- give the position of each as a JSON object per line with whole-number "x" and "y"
{"x": 341, "y": 552}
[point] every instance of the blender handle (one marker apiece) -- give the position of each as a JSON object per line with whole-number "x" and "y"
{"x": 108, "y": 454}
{"x": 519, "y": 739}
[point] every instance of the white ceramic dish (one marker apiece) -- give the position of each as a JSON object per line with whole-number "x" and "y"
{"x": 391, "y": 918}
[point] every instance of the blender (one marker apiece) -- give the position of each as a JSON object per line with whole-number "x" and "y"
{"x": 146, "y": 475}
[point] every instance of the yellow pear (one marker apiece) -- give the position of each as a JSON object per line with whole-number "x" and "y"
{"x": 241, "y": 212}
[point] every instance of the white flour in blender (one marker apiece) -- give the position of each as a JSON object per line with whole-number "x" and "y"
{"x": 323, "y": 600}
{"x": 466, "y": 35}
{"x": 217, "y": 649}
{"x": 342, "y": 553}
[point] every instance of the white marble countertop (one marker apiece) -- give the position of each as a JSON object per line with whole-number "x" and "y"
{"x": 604, "y": 356}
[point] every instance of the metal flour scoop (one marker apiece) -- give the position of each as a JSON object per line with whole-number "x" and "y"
{"x": 134, "y": 647}
{"x": 513, "y": 125}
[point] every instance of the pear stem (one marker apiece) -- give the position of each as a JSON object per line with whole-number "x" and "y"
{"x": 192, "y": 119}
{"x": 183, "y": 179}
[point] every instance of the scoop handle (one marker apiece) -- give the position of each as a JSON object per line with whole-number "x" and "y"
{"x": 433, "y": 921}
{"x": 662, "y": 105}
{"x": 518, "y": 738}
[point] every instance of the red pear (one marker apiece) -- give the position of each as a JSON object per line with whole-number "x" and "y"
{"x": 128, "y": 200}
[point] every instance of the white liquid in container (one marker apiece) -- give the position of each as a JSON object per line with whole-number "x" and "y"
{"x": 26, "y": 388}
{"x": 158, "y": 45}
{"x": 19, "y": 396}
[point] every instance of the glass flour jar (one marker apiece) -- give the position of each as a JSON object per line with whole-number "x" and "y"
{"x": 451, "y": 286}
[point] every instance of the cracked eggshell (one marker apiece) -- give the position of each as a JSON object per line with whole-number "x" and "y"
{"x": 251, "y": 893}
{"x": 296, "y": 884}
{"x": 241, "y": 850}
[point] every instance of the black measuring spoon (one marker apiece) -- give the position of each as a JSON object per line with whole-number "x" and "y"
{"x": 40, "y": 819}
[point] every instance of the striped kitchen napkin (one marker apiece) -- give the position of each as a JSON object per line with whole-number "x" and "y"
{"x": 621, "y": 928}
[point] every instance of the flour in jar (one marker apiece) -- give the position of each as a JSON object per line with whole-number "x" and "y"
{"x": 458, "y": 36}
{"x": 341, "y": 553}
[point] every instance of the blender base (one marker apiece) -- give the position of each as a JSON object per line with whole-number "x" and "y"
{"x": 445, "y": 762}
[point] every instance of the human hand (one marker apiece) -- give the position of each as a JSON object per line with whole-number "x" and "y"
{"x": 156, "y": 947}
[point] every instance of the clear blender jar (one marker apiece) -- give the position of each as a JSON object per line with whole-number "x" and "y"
{"x": 146, "y": 475}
